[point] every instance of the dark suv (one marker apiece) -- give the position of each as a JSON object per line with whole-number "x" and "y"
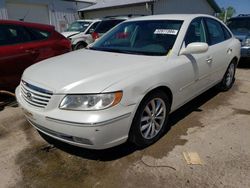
{"x": 109, "y": 22}
{"x": 240, "y": 26}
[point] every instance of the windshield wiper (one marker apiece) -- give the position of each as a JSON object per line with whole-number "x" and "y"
{"x": 127, "y": 51}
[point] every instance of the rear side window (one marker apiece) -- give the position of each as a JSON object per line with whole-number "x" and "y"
{"x": 215, "y": 31}
{"x": 227, "y": 34}
{"x": 93, "y": 27}
{"x": 37, "y": 34}
{"x": 12, "y": 34}
{"x": 106, "y": 25}
{"x": 196, "y": 32}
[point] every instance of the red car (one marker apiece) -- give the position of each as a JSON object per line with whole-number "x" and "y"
{"x": 23, "y": 44}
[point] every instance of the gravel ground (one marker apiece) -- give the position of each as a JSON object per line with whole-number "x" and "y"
{"x": 215, "y": 125}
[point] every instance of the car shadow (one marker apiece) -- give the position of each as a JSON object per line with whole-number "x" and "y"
{"x": 127, "y": 148}
{"x": 7, "y": 100}
{"x": 244, "y": 63}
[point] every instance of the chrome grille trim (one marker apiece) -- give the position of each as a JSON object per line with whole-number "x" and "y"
{"x": 34, "y": 95}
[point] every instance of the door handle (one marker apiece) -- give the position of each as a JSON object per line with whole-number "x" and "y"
{"x": 30, "y": 51}
{"x": 229, "y": 51}
{"x": 209, "y": 60}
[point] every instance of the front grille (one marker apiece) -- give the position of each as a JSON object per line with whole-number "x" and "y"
{"x": 35, "y": 96}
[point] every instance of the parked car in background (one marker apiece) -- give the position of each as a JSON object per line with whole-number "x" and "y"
{"x": 240, "y": 26}
{"x": 79, "y": 33}
{"x": 108, "y": 23}
{"x": 23, "y": 44}
{"x": 125, "y": 85}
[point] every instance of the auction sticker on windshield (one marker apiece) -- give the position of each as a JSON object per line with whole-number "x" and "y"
{"x": 166, "y": 31}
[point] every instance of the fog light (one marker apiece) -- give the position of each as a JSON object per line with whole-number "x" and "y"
{"x": 82, "y": 140}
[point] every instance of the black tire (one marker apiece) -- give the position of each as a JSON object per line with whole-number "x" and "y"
{"x": 136, "y": 135}
{"x": 229, "y": 77}
{"x": 80, "y": 45}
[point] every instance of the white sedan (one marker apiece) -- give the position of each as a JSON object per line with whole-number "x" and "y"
{"x": 127, "y": 83}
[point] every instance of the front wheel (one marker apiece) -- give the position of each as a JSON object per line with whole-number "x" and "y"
{"x": 150, "y": 119}
{"x": 229, "y": 78}
{"x": 80, "y": 46}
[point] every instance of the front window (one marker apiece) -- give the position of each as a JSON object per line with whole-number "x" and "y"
{"x": 239, "y": 25}
{"x": 154, "y": 37}
{"x": 78, "y": 26}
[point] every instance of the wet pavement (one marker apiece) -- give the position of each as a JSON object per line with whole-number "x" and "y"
{"x": 215, "y": 125}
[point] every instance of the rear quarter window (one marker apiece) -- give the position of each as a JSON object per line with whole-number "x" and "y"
{"x": 215, "y": 31}
{"x": 227, "y": 34}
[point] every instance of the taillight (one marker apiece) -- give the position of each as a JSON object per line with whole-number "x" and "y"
{"x": 66, "y": 43}
{"x": 95, "y": 35}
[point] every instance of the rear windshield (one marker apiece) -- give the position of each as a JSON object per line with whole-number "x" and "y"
{"x": 106, "y": 25}
{"x": 78, "y": 26}
{"x": 241, "y": 25}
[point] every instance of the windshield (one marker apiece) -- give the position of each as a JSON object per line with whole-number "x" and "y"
{"x": 240, "y": 25}
{"x": 154, "y": 37}
{"x": 78, "y": 26}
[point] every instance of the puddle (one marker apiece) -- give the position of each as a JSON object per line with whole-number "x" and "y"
{"x": 51, "y": 169}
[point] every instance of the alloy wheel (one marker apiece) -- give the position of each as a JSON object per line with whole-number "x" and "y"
{"x": 152, "y": 118}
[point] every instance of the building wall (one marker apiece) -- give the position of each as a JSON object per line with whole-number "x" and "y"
{"x": 3, "y": 12}
{"x": 60, "y": 12}
{"x": 136, "y": 9}
{"x": 180, "y": 6}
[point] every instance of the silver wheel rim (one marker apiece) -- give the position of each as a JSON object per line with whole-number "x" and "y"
{"x": 230, "y": 75}
{"x": 153, "y": 118}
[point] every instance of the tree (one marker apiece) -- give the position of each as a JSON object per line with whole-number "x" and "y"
{"x": 226, "y": 13}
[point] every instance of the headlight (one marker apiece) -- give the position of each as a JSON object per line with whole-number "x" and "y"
{"x": 247, "y": 41}
{"x": 91, "y": 102}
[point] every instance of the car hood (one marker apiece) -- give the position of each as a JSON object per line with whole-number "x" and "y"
{"x": 87, "y": 71}
{"x": 70, "y": 33}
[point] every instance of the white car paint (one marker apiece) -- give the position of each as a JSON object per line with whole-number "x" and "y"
{"x": 90, "y": 72}
{"x": 78, "y": 37}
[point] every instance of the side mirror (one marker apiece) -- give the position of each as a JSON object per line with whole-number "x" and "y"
{"x": 195, "y": 48}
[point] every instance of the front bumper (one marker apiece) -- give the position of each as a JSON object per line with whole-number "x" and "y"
{"x": 245, "y": 51}
{"x": 88, "y": 129}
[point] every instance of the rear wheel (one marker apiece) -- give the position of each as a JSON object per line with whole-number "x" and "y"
{"x": 150, "y": 119}
{"x": 229, "y": 77}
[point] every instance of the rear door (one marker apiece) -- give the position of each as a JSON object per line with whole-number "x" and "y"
{"x": 220, "y": 48}
{"x": 42, "y": 44}
{"x": 13, "y": 53}
{"x": 199, "y": 62}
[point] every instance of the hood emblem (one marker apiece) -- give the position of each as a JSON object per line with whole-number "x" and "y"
{"x": 29, "y": 95}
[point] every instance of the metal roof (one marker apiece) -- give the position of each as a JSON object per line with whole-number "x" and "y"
{"x": 102, "y": 4}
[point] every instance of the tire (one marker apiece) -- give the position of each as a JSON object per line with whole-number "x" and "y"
{"x": 148, "y": 127}
{"x": 229, "y": 77}
{"x": 79, "y": 46}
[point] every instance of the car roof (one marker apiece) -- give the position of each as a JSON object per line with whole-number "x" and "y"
{"x": 243, "y": 16}
{"x": 28, "y": 24}
{"x": 95, "y": 20}
{"x": 171, "y": 17}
